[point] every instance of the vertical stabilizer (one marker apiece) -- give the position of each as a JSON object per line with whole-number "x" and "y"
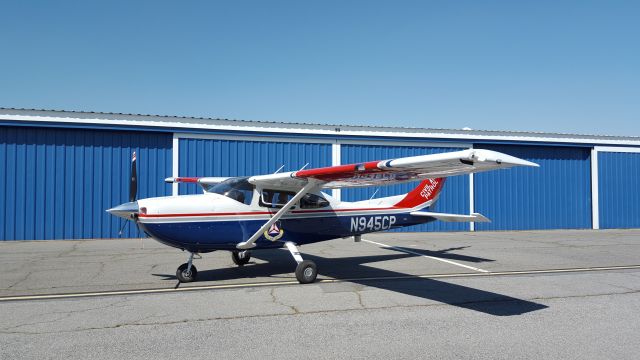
{"x": 425, "y": 192}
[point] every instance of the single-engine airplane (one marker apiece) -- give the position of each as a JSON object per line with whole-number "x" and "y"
{"x": 289, "y": 209}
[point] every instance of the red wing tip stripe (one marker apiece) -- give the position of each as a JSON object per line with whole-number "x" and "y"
{"x": 186, "y": 179}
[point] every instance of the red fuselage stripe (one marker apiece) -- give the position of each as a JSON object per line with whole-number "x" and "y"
{"x": 264, "y": 212}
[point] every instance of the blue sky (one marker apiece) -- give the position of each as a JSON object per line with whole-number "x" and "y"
{"x": 559, "y": 66}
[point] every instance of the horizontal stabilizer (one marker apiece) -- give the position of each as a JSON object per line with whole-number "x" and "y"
{"x": 474, "y": 217}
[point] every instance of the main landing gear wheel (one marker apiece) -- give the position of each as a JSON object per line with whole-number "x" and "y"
{"x": 306, "y": 272}
{"x": 241, "y": 258}
{"x": 185, "y": 275}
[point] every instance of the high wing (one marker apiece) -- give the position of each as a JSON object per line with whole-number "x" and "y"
{"x": 386, "y": 172}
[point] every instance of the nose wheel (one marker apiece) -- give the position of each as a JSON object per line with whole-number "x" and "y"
{"x": 185, "y": 275}
{"x": 241, "y": 258}
{"x": 187, "y": 272}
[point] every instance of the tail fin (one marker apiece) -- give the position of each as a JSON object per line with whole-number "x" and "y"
{"x": 426, "y": 191}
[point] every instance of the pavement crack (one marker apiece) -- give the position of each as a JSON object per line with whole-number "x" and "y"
{"x": 618, "y": 286}
{"x": 67, "y": 314}
{"x": 298, "y": 313}
{"x": 74, "y": 247}
{"x": 275, "y": 300}
{"x": 22, "y": 279}
{"x": 585, "y": 296}
{"x": 99, "y": 272}
{"x": 359, "y": 296}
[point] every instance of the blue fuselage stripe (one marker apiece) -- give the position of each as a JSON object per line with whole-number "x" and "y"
{"x": 204, "y": 236}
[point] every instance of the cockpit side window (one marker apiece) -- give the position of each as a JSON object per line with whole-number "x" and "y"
{"x": 238, "y": 189}
{"x": 275, "y": 198}
{"x": 313, "y": 201}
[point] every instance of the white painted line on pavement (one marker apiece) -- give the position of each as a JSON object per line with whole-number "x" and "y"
{"x": 293, "y": 282}
{"x": 427, "y": 256}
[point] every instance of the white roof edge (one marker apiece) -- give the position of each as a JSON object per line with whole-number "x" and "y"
{"x": 193, "y": 123}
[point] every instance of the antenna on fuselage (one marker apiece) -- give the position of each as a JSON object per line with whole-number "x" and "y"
{"x": 280, "y": 168}
{"x": 305, "y": 165}
{"x": 374, "y": 194}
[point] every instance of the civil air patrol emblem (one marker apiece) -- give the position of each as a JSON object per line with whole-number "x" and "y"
{"x": 274, "y": 233}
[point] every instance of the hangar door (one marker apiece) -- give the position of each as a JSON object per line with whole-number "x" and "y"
{"x": 232, "y": 157}
{"x": 618, "y": 195}
{"x": 57, "y": 183}
{"x": 557, "y": 195}
{"x": 453, "y": 199}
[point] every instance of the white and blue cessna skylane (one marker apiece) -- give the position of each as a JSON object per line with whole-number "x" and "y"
{"x": 289, "y": 209}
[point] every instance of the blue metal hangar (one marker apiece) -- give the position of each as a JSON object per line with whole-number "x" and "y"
{"x": 62, "y": 169}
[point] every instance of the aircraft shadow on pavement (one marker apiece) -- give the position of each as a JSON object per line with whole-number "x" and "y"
{"x": 443, "y": 254}
{"x": 280, "y": 264}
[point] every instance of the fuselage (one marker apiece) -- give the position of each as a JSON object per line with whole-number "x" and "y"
{"x": 212, "y": 221}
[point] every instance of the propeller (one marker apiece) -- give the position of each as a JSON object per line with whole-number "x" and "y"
{"x": 129, "y": 210}
{"x": 133, "y": 184}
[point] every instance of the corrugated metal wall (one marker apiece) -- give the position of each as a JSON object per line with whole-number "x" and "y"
{"x": 618, "y": 183}
{"x": 454, "y": 197}
{"x": 557, "y": 195}
{"x": 210, "y": 157}
{"x": 57, "y": 183}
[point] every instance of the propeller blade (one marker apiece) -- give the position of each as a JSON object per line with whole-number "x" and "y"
{"x": 133, "y": 185}
{"x": 122, "y": 228}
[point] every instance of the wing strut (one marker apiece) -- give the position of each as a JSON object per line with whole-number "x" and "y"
{"x": 250, "y": 243}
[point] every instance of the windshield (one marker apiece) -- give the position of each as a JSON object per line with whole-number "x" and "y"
{"x": 238, "y": 189}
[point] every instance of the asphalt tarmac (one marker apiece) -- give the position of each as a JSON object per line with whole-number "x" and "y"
{"x": 493, "y": 295}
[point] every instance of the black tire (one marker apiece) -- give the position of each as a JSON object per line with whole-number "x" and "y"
{"x": 185, "y": 277}
{"x": 306, "y": 272}
{"x": 235, "y": 256}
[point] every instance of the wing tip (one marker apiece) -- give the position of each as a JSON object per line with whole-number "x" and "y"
{"x": 480, "y": 218}
{"x": 523, "y": 162}
{"x": 501, "y": 158}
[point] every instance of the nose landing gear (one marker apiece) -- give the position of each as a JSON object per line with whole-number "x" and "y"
{"x": 241, "y": 258}
{"x": 187, "y": 272}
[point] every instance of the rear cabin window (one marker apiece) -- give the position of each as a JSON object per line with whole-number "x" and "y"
{"x": 313, "y": 201}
